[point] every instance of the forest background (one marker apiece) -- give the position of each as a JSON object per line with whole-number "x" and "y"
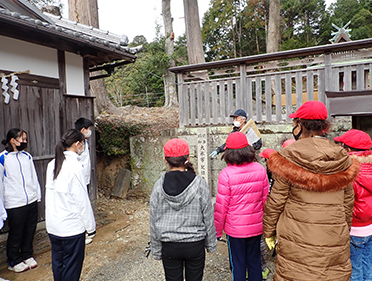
{"x": 231, "y": 29}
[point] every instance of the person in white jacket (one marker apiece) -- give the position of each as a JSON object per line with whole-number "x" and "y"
{"x": 20, "y": 192}
{"x": 68, "y": 212}
{"x": 84, "y": 126}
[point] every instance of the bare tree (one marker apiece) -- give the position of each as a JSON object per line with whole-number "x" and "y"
{"x": 273, "y": 30}
{"x": 169, "y": 78}
{"x": 86, "y": 12}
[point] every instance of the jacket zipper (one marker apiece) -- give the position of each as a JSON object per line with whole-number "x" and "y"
{"x": 23, "y": 178}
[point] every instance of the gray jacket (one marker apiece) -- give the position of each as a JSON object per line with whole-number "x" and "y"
{"x": 187, "y": 217}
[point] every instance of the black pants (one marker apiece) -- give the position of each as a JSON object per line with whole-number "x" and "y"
{"x": 176, "y": 256}
{"x": 22, "y": 225}
{"x": 67, "y": 256}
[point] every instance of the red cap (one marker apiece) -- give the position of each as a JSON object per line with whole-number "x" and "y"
{"x": 236, "y": 140}
{"x": 313, "y": 110}
{"x": 355, "y": 139}
{"x": 288, "y": 142}
{"x": 266, "y": 153}
{"x": 176, "y": 148}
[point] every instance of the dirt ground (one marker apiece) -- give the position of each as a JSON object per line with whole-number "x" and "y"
{"x": 117, "y": 251}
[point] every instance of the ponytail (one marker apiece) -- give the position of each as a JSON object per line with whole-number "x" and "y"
{"x": 181, "y": 161}
{"x": 12, "y": 134}
{"x": 189, "y": 167}
{"x": 67, "y": 140}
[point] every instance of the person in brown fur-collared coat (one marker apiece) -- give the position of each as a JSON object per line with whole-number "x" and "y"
{"x": 310, "y": 207}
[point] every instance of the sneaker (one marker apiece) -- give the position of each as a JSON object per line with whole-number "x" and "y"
{"x": 31, "y": 263}
{"x": 2, "y": 279}
{"x": 265, "y": 273}
{"x": 19, "y": 267}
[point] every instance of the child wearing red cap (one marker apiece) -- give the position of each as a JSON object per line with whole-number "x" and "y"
{"x": 242, "y": 192}
{"x": 358, "y": 144}
{"x": 181, "y": 217}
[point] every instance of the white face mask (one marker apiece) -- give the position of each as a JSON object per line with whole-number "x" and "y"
{"x": 88, "y": 134}
{"x": 79, "y": 152}
{"x": 236, "y": 124}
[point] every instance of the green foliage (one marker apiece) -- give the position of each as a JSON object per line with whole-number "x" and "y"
{"x": 303, "y": 23}
{"x": 133, "y": 83}
{"x": 234, "y": 28}
{"x": 129, "y": 83}
{"x": 180, "y": 50}
{"x": 113, "y": 135}
{"x": 359, "y": 12}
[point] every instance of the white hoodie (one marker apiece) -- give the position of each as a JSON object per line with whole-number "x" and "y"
{"x": 19, "y": 185}
{"x": 68, "y": 211}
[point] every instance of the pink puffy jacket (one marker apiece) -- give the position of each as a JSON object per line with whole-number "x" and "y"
{"x": 242, "y": 192}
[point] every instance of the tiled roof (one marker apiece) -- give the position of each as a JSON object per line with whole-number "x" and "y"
{"x": 77, "y": 30}
{"x": 105, "y": 36}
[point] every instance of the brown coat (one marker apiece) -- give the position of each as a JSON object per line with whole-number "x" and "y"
{"x": 310, "y": 210}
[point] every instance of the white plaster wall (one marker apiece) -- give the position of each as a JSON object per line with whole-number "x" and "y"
{"x": 17, "y": 55}
{"x": 74, "y": 74}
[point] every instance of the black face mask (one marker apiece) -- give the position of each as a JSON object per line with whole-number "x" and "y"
{"x": 296, "y": 137}
{"x": 22, "y": 146}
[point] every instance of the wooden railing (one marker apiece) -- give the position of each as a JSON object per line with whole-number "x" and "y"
{"x": 270, "y": 86}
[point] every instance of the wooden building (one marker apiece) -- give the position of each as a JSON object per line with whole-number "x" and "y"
{"x": 45, "y": 65}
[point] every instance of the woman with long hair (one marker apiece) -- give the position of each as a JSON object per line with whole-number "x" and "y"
{"x": 68, "y": 212}
{"x": 310, "y": 207}
{"x": 20, "y": 192}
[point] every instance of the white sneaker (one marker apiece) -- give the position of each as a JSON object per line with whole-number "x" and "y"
{"x": 2, "y": 279}
{"x": 30, "y": 262}
{"x": 19, "y": 267}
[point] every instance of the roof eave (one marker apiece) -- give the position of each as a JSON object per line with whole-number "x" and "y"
{"x": 37, "y": 33}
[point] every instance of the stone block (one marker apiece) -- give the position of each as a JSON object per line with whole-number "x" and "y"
{"x": 122, "y": 184}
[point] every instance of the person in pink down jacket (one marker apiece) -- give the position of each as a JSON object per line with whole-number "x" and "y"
{"x": 242, "y": 191}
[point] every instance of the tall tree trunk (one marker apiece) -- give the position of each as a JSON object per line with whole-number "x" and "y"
{"x": 195, "y": 51}
{"x": 170, "y": 78}
{"x": 86, "y": 12}
{"x": 273, "y": 33}
{"x": 193, "y": 32}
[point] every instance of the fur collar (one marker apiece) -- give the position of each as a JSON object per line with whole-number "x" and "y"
{"x": 308, "y": 180}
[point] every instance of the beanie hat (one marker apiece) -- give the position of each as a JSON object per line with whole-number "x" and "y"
{"x": 176, "y": 148}
{"x": 236, "y": 140}
{"x": 288, "y": 142}
{"x": 312, "y": 110}
{"x": 355, "y": 139}
{"x": 266, "y": 153}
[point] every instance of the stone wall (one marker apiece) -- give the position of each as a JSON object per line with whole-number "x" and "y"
{"x": 147, "y": 162}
